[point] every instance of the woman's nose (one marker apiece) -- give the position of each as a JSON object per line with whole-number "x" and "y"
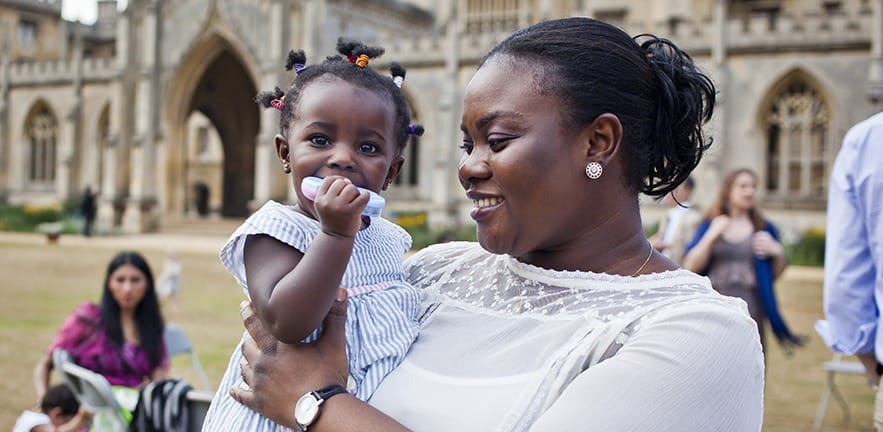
{"x": 473, "y": 166}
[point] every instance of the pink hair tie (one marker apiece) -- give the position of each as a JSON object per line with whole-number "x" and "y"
{"x": 278, "y": 103}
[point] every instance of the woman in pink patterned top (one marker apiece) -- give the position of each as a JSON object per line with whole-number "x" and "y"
{"x": 122, "y": 338}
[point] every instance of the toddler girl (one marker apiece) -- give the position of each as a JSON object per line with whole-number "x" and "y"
{"x": 345, "y": 123}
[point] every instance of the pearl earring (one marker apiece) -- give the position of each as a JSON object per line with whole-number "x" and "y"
{"x": 594, "y": 170}
{"x": 286, "y": 167}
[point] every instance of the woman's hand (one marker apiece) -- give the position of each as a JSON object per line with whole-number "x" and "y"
{"x": 279, "y": 374}
{"x": 765, "y": 245}
{"x": 718, "y": 226}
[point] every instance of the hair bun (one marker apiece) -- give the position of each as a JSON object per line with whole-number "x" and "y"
{"x": 685, "y": 102}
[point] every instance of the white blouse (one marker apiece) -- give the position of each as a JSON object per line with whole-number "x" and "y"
{"x": 506, "y": 346}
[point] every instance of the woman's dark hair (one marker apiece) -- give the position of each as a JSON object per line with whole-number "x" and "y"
{"x": 60, "y": 396}
{"x": 347, "y": 70}
{"x": 658, "y": 94}
{"x": 721, "y": 204}
{"x": 147, "y": 314}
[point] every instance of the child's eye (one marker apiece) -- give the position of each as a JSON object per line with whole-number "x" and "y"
{"x": 369, "y": 148}
{"x": 319, "y": 140}
{"x": 467, "y": 147}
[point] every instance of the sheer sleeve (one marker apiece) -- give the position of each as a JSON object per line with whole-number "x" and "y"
{"x": 696, "y": 368}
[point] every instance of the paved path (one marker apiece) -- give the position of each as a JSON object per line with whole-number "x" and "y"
{"x": 211, "y": 243}
{"x": 198, "y": 243}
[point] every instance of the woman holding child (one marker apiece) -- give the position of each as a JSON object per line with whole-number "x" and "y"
{"x": 562, "y": 316}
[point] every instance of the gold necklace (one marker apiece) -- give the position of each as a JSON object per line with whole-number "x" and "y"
{"x": 645, "y": 261}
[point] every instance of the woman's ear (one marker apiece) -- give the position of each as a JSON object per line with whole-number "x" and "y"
{"x": 394, "y": 169}
{"x": 602, "y": 138}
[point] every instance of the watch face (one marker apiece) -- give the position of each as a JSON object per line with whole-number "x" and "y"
{"x": 306, "y": 409}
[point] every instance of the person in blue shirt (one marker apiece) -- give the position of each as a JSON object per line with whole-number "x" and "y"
{"x": 854, "y": 252}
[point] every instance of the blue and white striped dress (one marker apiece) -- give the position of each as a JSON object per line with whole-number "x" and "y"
{"x": 381, "y": 320}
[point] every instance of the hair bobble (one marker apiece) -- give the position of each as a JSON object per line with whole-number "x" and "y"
{"x": 296, "y": 61}
{"x": 362, "y": 61}
{"x": 416, "y": 130}
{"x": 279, "y": 104}
{"x": 398, "y": 74}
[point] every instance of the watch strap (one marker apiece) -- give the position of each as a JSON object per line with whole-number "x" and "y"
{"x": 327, "y": 392}
{"x": 319, "y": 397}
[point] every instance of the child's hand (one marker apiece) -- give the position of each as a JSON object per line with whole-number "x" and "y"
{"x": 339, "y": 206}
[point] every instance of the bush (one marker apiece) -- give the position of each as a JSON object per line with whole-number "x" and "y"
{"x": 423, "y": 236}
{"x": 27, "y": 218}
{"x": 809, "y": 250}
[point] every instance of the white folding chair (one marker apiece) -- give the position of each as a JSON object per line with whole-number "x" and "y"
{"x": 177, "y": 342}
{"x": 198, "y": 403}
{"x": 836, "y": 366}
{"x": 91, "y": 389}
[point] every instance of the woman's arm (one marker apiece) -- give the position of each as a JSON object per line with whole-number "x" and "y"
{"x": 41, "y": 375}
{"x": 279, "y": 374}
{"x": 159, "y": 373}
{"x": 689, "y": 368}
{"x": 696, "y": 259}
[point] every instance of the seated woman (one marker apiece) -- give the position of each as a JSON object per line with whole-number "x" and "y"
{"x": 562, "y": 317}
{"x": 120, "y": 339}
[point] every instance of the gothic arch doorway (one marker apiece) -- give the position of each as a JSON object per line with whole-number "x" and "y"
{"x": 213, "y": 98}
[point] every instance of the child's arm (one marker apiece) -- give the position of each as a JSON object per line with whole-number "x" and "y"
{"x": 292, "y": 292}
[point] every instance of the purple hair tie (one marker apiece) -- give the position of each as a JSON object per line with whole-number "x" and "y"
{"x": 415, "y": 129}
{"x": 299, "y": 67}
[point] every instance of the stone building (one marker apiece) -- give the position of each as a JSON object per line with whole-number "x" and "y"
{"x": 152, "y": 104}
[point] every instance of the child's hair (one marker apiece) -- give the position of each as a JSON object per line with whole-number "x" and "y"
{"x": 352, "y": 69}
{"x": 60, "y": 396}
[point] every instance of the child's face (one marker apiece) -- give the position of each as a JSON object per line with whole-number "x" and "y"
{"x": 57, "y": 418}
{"x": 341, "y": 129}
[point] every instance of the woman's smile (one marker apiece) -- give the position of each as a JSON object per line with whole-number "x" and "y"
{"x": 481, "y": 207}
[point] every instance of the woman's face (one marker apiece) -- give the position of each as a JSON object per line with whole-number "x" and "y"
{"x": 127, "y": 285}
{"x": 742, "y": 192}
{"x": 520, "y": 167}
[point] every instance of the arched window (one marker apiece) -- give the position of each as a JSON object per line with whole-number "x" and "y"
{"x": 40, "y": 134}
{"x": 409, "y": 174}
{"x": 797, "y": 130}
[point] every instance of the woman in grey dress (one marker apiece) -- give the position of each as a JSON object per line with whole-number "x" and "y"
{"x": 741, "y": 253}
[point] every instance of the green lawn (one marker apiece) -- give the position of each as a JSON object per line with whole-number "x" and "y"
{"x": 41, "y": 284}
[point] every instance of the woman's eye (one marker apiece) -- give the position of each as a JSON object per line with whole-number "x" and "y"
{"x": 369, "y": 148}
{"x": 319, "y": 140}
{"x": 467, "y": 147}
{"x": 497, "y": 143}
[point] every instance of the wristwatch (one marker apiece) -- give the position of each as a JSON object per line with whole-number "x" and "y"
{"x": 306, "y": 410}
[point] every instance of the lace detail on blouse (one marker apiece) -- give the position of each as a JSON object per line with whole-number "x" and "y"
{"x": 466, "y": 275}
